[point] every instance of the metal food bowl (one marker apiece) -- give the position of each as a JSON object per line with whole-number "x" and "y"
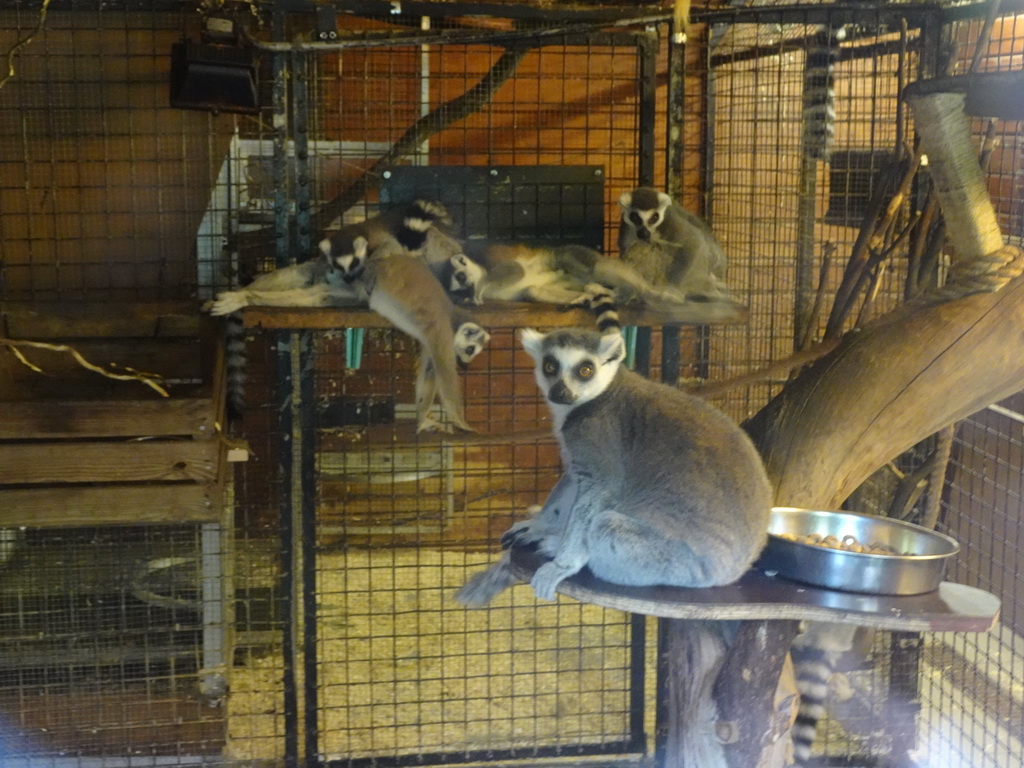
{"x": 918, "y": 565}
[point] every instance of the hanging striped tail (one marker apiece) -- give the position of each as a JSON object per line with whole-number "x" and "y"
{"x": 815, "y": 653}
{"x": 819, "y": 93}
{"x": 235, "y": 360}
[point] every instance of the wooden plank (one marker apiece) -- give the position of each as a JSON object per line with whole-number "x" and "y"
{"x": 129, "y": 418}
{"x": 70, "y": 506}
{"x": 112, "y": 718}
{"x": 496, "y": 315}
{"x": 47, "y": 321}
{"x": 122, "y": 462}
{"x": 950, "y": 608}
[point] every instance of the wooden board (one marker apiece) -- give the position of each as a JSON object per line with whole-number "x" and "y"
{"x": 43, "y": 321}
{"x": 70, "y": 506}
{"x": 491, "y": 315}
{"x": 122, "y": 462}
{"x": 950, "y": 608}
{"x": 22, "y": 420}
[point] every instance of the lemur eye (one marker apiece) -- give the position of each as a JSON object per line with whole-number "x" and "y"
{"x": 654, "y": 218}
{"x": 636, "y": 218}
{"x": 550, "y": 366}
{"x": 585, "y": 370}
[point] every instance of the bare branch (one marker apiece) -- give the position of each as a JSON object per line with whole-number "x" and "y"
{"x": 149, "y": 379}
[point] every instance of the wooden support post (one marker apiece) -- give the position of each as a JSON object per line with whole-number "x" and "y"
{"x": 749, "y": 725}
{"x": 691, "y": 655}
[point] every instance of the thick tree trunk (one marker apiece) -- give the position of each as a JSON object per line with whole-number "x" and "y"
{"x": 887, "y": 387}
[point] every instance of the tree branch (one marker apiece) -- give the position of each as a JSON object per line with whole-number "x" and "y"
{"x": 436, "y": 121}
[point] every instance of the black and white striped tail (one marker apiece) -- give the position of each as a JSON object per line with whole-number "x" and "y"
{"x": 602, "y": 304}
{"x": 235, "y": 360}
{"x": 815, "y": 651}
{"x": 417, "y": 219}
{"x": 813, "y": 667}
{"x": 819, "y": 93}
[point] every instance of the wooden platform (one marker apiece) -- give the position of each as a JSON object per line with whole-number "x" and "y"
{"x": 499, "y": 314}
{"x": 950, "y": 608}
{"x": 703, "y": 676}
{"x": 79, "y": 448}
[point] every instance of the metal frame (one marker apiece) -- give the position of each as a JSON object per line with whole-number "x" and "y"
{"x": 296, "y": 419}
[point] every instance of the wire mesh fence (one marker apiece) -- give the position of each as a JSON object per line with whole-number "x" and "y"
{"x": 350, "y": 534}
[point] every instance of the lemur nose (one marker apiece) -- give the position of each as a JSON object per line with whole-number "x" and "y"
{"x": 561, "y": 394}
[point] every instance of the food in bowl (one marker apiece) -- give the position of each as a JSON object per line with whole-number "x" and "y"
{"x": 806, "y": 545}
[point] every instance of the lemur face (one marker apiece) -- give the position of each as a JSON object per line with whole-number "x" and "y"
{"x": 643, "y": 222}
{"x": 573, "y": 366}
{"x": 643, "y": 211}
{"x": 466, "y": 274}
{"x": 470, "y": 340}
{"x": 346, "y": 254}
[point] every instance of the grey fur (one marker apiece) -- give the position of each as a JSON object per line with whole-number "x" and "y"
{"x": 310, "y": 284}
{"x": 669, "y": 246}
{"x": 659, "y": 487}
{"x": 331, "y": 280}
{"x": 401, "y": 288}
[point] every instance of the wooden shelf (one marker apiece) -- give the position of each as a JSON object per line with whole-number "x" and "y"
{"x": 950, "y": 608}
{"x": 492, "y": 315}
{"x": 90, "y": 320}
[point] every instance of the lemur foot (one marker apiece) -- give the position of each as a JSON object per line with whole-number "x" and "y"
{"x": 227, "y": 302}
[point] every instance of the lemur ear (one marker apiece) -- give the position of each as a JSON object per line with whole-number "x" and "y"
{"x": 325, "y": 246}
{"x": 531, "y": 341}
{"x": 664, "y": 200}
{"x": 626, "y": 199}
{"x": 611, "y": 348}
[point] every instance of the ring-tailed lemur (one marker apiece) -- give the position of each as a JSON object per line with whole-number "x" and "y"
{"x": 414, "y": 227}
{"x": 659, "y": 487}
{"x": 669, "y": 246}
{"x": 556, "y": 275}
{"x": 400, "y": 287}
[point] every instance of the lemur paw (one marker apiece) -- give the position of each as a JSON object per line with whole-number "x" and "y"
{"x": 519, "y": 535}
{"x": 547, "y": 578}
{"x": 228, "y": 302}
{"x": 430, "y": 424}
{"x": 528, "y": 531}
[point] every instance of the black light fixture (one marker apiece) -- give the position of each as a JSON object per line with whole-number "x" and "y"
{"x": 216, "y": 75}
